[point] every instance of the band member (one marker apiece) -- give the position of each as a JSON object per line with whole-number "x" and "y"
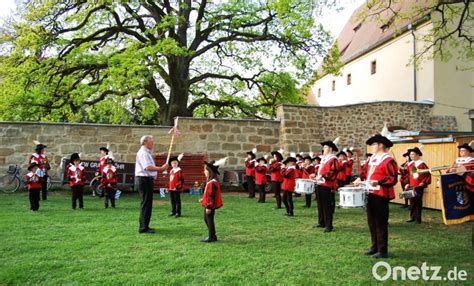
{"x": 43, "y": 165}
{"x": 250, "y": 172}
{"x": 465, "y": 160}
{"x": 364, "y": 168}
{"x": 316, "y": 164}
{"x": 349, "y": 165}
{"x": 176, "y": 185}
{"x": 299, "y": 166}
{"x": 308, "y": 170}
{"x": 104, "y": 154}
{"x": 288, "y": 171}
{"x": 418, "y": 182}
{"x": 33, "y": 182}
{"x": 261, "y": 178}
{"x": 343, "y": 165}
{"x": 211, "y": 199}
{"x": 275, "y": 176}
{"x": 108, "y": 182}
{"x": 327, "y": 184}
{"x": 404, "y": 175}
{"x": 381, "y": 178}
{"x": 77, "y": 179}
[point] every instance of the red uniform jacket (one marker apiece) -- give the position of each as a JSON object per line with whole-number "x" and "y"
{"x": 261, "y": 175}
{"x": 176, "y": 180}
{"x": 468, "y": 176}
{"x": 212, "y": 199}
{"x": 289, "y": 178}
{"x": 250, "y": 167}
{"x": 299, "y": 169}
{"x": 41, "y": 160}
{"x": 349, "y": 166}
{"x": 404, "y": 174}
{"x": 109, "y": 176}
{"x": 102, "y": 163}
{"x": 275, "y": 172}
{"x": 423, "y": 178}
{"x": 328, "y": 171}
{"x": 364, "y": 170}
{"x": 341, "y": 174}
{"x": 308, "y": 171}
{"x": 32, "y": 181}
{"x": 383, "y": 169}
{"x": 76, "y": 176}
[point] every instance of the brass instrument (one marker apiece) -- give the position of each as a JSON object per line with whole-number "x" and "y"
{"x": 459, "y": 169}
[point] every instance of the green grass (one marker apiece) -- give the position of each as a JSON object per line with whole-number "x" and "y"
{"x": 257, "y": 244}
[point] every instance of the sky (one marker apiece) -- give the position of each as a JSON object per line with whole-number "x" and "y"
{"x": 332, "y": 20}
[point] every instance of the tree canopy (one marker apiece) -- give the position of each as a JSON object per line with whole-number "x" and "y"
{"x": 145, "y": 61}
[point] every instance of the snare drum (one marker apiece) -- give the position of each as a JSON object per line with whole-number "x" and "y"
{"x": 407, "y": 194}
{"x": 304, "y": 186}
{"x": 352, "y": 197}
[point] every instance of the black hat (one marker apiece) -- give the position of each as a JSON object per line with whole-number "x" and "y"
{"x": 379, "y": 139}
{"x": 416, "y": 150}
{"x": 74, "y": 157}
{"x": 330, "y": 144}
{"x": 467, "y": 147}
{"x": 341, "y": 153}
{"x": 40, "y": 147}
{"x": 317, "y": 158}
{"x": 349, "y": 151}
{"x": 307, "y": 158}
{"x": 289, "y": 159}
{"x": 299, "y": 156}
{"x": 174, "y": 158}
{"x": 368, "y": 155}
{"x": 262, "y": 159}
{"x": 278, "y": 154}
{"x": 211, "y": 166}
{"x": 32, "y": 165}
{"x": 104, "y": 149}
{"x": 251, "y": 153}
{"x": 407, "y": 153}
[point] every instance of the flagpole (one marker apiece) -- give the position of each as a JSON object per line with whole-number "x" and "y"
{"x": 174, "y": 129}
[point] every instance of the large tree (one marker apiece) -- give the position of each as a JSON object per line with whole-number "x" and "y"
{"x": 149, "y": 61}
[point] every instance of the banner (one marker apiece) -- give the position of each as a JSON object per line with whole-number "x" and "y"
{"x": 457, "y": 202}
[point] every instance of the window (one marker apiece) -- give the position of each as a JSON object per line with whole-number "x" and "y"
{"x": 349, "y": 79}
{"x": 333, "y": 85}
{"x": 319, "y": 92}
{"x": 373, "y": 67}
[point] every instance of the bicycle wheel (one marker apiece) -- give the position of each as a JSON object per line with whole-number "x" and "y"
{"x": 9, "y": 184}
{"x": 95, "y": 186}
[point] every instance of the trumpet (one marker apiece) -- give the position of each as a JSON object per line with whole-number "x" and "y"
{"x": 458, "y": 169}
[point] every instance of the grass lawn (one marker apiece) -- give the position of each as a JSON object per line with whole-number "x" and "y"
{"x": 257, "y": 244}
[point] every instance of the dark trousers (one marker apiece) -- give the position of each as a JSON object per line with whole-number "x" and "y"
{"x": 377, "y": 218}
{"x": 326, "y": 204}
{"x": 417, "y": 205}
{"x": 288, "y": 201}
{"x": 77, "y": 195}
{"x": 34, "y": 199}
{"x": 175, "y": 198}
{"x": 276, "y": 188}
{"x": 44, "y": 188}
{"x": 109, "y": 195}
{"x": 406, "y": 200}
{"x": 261, "y": 193}
{"x": 145, "y": 189}
{"x": 251, "y": 186}
{"x": 209, "y": 219}
{"x": 308, "y": 200}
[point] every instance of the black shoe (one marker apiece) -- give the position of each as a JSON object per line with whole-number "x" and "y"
{"x": 172, "y": 214}
{"x": 319, "y": 225}
{"x": 380, "y": 255}
{"x": 328, "y": 229}
{"x": 370, "y": 252}
{"x": 106, "y": 207}
{"x": 208, "y": 240}
{"x": 410, "y": 220}
{"x": 147, "y": 231}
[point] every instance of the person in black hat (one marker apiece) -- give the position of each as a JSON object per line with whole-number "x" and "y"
{"x": 316, "y": 163}
{"x": 326, "y": 180}
{"x": 288, "y": 171}
{"x": 261, "y": 178}
{"x": 404, "y": 175}
{"x": 77, "y": 179}
{"x": 364, "y": 168}
{"x": 33, "y": 182}
{"x": 41, "y": 159}
{"x": 212, "y": 198}
{"x": 176, "y": 185}
{"x": 275, "y": 176}
{"x": 350, "y": 164}
{"x": 418, "y": 182}
{"x": 343, "y": 165}
{"x": 465, "y": 160}
{"x": 308, "y": 170}
{"x": 381, "y": 178}
{"x": 109, "y": 182}
{"x": 250, "y": 172}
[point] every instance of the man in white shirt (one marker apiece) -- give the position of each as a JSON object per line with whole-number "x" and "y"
{"x": 145, "y": 172}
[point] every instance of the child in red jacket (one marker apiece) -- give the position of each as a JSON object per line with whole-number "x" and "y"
{"x": 289, "y": 180}
{"x": 33, "y": 181}
{"x": 108, "y": 182}
{"x": 175, "y": 186}
{"x": 261, "y": 178}
{"x": 77, "y": 179}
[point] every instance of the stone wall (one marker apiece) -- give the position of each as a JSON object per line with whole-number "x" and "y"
{"x": 298, "y": 128}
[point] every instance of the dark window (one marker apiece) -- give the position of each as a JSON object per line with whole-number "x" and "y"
{"x": 319, "y": 92}
{"x": 333, "y": 85}
{"x": 349, "y": 79}
{"x": 373, "y": 67}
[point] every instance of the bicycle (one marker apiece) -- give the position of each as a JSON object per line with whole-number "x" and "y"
{"x": 12, "y": 181}
{"x": 56, "y": 174}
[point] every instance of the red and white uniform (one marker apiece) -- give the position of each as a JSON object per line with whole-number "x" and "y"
{"x": 176, "y": 180}
{"x": 109, "y": 177}
{"x": 76, "y": 175}
{"x": 289, "y": 178}
{"x": 299, "y": 169}
{"x": 212, "y": 198}
{"x": 423, "y": 179}
{"x": 364, "y": 170}
{"x": 307, "y": 171}
{"x": 33, "y": 181}
{"x": 327, "y": 172}
{"x": 102, "y": 163}
{"x": 261, "y": 175}
{"x": 404, "y": 174}
{"x": 341, "y": 174}
{"x": 41, "y": 160}
{"x": 468, "y": 176}
{"x": 275, "y": 172}
{"x": 348, "y": 167}
{"x": 250, "y": 167}
{"x": 383, "y": 169}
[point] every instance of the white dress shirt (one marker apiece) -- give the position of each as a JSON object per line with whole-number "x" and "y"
{"x": 144, "y": 160}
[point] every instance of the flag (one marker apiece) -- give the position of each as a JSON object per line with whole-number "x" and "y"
{"x": 457, "y": 202}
